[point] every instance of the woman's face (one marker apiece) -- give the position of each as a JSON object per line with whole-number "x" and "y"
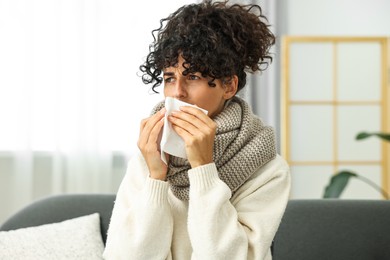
{"x": 194, "y": 89}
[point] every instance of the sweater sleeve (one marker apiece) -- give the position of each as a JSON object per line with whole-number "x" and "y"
{"x": 241, "y": 227}
{"x": 141, "y": 224}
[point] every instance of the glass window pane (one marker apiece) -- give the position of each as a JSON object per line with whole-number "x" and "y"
{"x": 309, "y": 182}
{"x": 358, "y": 189}
{"x": 311, "y": 74}
{"x": 351, "y": 121}
{"x": 311, "y": 133}
{"x": 359, "y": 71}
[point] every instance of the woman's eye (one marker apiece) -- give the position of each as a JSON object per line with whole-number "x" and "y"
{"x": 168, "y": 79}
{"x": 193, "y": 77}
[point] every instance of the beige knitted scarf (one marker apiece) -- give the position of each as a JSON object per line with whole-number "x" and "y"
{"x": 242, "y": 145}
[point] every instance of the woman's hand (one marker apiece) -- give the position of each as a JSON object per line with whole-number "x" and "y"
{"x": 147, "y": 143}
{"x": 198, "y": 132}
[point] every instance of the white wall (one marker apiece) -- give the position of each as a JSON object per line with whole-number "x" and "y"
{"x": 337, "y": 17}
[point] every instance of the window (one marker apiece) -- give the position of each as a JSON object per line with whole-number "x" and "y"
{"x": 334, "y": 88}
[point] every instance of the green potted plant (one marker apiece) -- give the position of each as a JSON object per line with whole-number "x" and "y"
{"x": 339, "y": 181}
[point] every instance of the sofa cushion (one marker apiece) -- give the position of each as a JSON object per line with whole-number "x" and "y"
{"x": 62, "y": 207}
{"x": 77, "y": 238}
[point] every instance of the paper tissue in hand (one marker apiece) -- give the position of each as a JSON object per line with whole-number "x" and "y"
{"x": 171, "y": 142}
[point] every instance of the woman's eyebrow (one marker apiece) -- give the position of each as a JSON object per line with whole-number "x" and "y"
{"x": 168, "y": 73}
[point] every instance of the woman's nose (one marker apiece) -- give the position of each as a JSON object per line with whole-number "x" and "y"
{"x": 180, "y": 90}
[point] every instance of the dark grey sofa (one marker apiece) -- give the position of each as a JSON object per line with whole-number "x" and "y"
{"x": 310, "y": 229}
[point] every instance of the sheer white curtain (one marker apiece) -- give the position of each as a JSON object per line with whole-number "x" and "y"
{"x": 263, "y": 89}
{"x": 70, "y": 97}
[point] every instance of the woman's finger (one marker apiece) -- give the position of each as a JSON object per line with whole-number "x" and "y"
{"x": 147, "y": 126}
{"x": 197, "y": 113}
{"x": 192, "y": 123}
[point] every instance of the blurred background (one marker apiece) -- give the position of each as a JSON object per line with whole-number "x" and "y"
{"x": 71, "y": 97}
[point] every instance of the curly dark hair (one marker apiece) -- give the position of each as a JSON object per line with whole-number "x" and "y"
{"x": 216, "y": 39}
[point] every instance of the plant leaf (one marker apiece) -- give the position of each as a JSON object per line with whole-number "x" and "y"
{"x": 337, "y": 184}
{"x": 364, "y": 135}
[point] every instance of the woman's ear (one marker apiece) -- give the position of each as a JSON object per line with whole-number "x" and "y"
{"x": 231, "y": 87}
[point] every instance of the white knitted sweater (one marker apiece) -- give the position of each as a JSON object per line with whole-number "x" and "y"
{"x": 149, "y": 222}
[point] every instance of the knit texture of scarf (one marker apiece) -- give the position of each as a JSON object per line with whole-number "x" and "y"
{"x": 242, "y": 145}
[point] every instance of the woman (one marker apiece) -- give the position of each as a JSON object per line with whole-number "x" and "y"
{"x": 226, "y": 200}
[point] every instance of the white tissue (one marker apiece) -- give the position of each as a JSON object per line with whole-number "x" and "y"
{"x": 171, "y": 142}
